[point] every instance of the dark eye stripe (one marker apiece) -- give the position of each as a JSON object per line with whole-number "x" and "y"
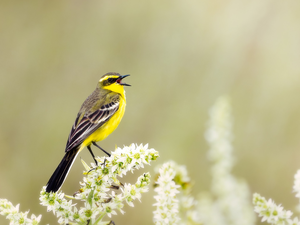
{"x": 112, "y": 80}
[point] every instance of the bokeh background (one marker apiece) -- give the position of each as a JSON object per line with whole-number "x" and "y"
{"x": 182, "y": 55}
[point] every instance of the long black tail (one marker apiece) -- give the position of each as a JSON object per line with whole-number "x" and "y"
{"x": 61, "y": 172}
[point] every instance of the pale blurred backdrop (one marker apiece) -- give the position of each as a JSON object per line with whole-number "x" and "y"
{"x": 182, "y": 55}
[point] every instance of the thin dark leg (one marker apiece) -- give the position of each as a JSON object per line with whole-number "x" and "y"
{"x": 94, "y": 143}
{"x": 90, "y": 150}
{"x": 104, "y": 163}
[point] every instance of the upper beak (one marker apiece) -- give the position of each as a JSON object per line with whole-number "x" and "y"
{"x": 121, "y": 78}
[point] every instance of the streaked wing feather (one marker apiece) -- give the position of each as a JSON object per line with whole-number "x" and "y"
{"x": 89, "y": 123}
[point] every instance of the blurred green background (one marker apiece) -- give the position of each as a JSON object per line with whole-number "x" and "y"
{"x": 181, "y": 55}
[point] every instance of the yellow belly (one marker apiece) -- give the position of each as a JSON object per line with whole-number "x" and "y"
{"x": 106, "y": 129}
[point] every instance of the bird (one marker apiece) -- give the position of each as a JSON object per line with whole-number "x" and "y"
{"x": 99, "y": 115}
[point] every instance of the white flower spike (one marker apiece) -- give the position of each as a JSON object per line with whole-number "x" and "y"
{"x": 101, "y": 191}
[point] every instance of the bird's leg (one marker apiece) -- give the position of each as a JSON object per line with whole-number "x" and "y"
{"x": 104, "y": 163}
{"x": 94, "y": 143}
{"x": 90, "y": 150}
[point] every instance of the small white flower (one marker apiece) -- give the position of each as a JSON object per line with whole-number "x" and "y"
{"x": 272, "y": 213}
{"x": 295, "y": 221}
{"x": 166, "y": 203}
{"x": 12, "y": 213}
{"x": 296, "y": 187}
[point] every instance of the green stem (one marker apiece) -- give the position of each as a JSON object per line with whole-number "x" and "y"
{"x": 99, "y": 218}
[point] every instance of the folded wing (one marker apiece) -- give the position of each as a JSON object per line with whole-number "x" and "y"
{"x": 89, "y": 123}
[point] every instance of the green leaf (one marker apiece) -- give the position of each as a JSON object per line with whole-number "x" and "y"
{"x": 90, "y": 197}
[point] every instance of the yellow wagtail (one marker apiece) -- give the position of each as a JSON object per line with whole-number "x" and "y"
{"x": 99, "y": 115}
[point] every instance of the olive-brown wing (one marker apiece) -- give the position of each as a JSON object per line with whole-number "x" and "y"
{"x": 90, "y": 123}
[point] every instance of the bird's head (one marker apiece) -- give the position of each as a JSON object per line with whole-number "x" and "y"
{"x": 113, "y": 82}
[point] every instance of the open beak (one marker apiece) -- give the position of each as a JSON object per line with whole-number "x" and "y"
{"x": 119, "y": 81}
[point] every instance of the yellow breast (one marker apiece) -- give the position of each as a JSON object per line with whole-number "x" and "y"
{"x": 106, "y": 129}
